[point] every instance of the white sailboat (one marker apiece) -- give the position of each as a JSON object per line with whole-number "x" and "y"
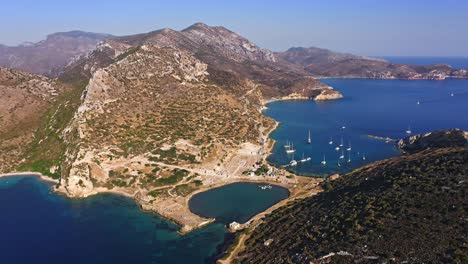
{"x": 337, "y": 148}
{"x": 287, "y": 145}
{"x": 324, "y": 162}
{"x": 309, "y": 140}
{"x": 451, "y": 94}
{"x": 341, "y": 144}
{"x": 363, "y": 157}
{"x": 349, "y": 157}
{"x": 290, "y": 149}
{"x": 349, "y": 147}
{"x": 303, "y": 159}
{"x": 342, "y": 155}
{"x": 418, "y": 102}
{"x": 331, "y": 141}
{"x": 409, "y": 130}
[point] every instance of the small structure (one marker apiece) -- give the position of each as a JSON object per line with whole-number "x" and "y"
{"x": 234, "y": 226}
{"x": 268, "y": 242}
{"x": 334, "y": 176}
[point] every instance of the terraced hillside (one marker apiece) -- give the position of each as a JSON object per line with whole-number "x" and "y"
{"x": 405, "y": 209}
{"x": 158, "y": 106}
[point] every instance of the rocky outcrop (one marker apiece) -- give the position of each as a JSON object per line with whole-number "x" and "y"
{"x": 436, "y": 139}
{"x": 328, "y": 94}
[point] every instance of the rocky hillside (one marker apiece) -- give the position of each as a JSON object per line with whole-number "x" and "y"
{"x": 154, "y": 105}
{"x": 325, "y": 63}
{"x": 233, "y": 62}
{"x": 49, "y": 56}
{"x": 436, "y": 139}
{"x": 24, "y": 99}
{"x": 405, "y": 209}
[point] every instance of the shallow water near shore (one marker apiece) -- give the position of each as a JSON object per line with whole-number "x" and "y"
{"x": 384, "y": 108}
{"x": 237, "y": 201}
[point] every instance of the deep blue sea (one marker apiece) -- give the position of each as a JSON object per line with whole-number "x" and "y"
{"x": 38, "y": 226}
{"x": 455, "y": 62}
{"x": 384, "y": 108}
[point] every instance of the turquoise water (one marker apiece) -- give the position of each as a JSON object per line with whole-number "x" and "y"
{"x": 236, "y": 202}
{"x": 383, "y": 108}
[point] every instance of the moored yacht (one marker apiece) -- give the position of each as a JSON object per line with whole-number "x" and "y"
{"x": 323, "y": 161}
{"x": 342, "y": 155}
{"x": 409, "y": 130}
{"x": 290, "y": 149}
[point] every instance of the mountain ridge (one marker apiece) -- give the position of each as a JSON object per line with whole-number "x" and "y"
{"x": 48, "y": 56}
{"x": 326, "y": 63}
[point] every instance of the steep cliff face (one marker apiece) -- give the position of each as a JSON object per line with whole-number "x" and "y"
{"x": 325, "y": 63}
{"x": 24, "y": 98}
{"x": 50, "y": 55}
{"x": 227, "y": 43}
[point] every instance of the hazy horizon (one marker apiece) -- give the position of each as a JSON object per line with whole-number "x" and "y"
{"x": 365, "y": 27}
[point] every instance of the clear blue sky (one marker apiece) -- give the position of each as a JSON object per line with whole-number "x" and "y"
{"x": 366, "y": 27}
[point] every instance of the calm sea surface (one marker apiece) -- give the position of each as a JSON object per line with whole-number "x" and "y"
{"x": 384, "y": 108}
{"x": 234, "y": 199}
